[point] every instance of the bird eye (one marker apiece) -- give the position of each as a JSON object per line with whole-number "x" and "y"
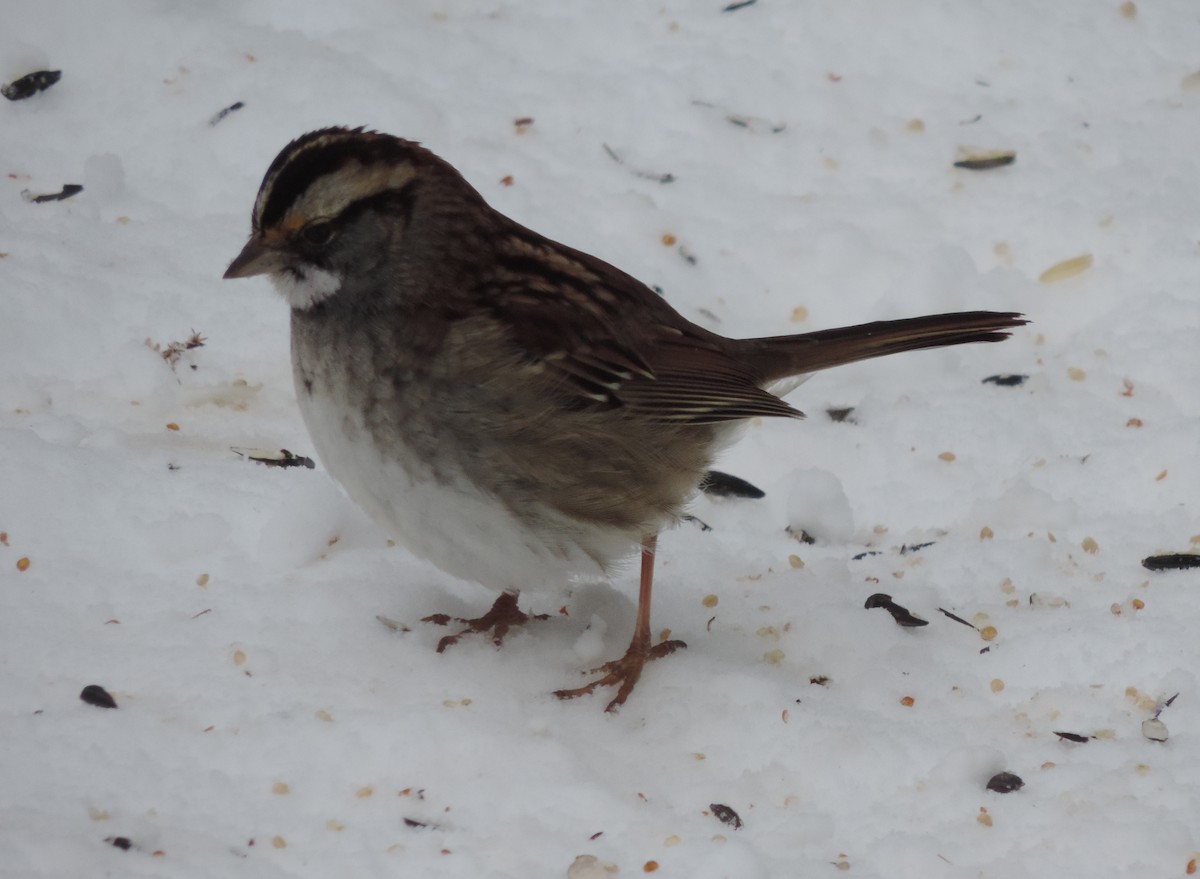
{"x": 318, "y": 233}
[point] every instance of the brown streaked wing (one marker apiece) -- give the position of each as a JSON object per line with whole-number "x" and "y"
{"x": 697, "y": 382}
{"x": 614, "y": 341}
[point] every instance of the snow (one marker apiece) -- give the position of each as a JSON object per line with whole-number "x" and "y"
{"x": 270, "y": 726}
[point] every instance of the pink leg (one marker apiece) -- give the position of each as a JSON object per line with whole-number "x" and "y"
{"x": 624, "y": 672}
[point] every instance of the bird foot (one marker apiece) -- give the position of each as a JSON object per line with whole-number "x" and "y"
{"x": 623, "y": 673}
{"x": 503, "y": 616}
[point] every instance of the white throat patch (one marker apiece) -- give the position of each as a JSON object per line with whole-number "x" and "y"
{"x": 305, "y": 286}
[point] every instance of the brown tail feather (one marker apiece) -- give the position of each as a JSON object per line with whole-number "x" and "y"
{"x": 778, "y": 357}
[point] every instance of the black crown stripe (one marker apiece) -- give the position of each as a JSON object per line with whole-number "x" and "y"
{"x": 316, "y": 155}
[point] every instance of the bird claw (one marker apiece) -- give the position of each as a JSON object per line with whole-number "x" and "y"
{"x": 503, "y": 615}
{"x": 622, "y": 673}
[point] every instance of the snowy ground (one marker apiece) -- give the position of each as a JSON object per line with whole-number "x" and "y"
{"x": 269, "y": 726}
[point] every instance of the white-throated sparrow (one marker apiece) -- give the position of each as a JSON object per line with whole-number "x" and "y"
{"x": 513, "y": 410}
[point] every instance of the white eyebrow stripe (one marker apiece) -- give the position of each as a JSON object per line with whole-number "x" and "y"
{"x": 330, "y": 194}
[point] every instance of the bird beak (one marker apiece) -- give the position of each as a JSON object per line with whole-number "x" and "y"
{"x": 256, "y": 258}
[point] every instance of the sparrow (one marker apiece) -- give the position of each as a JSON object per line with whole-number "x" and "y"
{"x": 518, "y": 412}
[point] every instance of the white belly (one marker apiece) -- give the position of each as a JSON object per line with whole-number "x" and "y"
{"x": 446, "y": 519}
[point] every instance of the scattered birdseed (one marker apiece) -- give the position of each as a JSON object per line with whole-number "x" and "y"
{"x": 280, "y": 788}
{"x": 795, "y": 561}
{"x": 239, "y": 657}
{"x": 94, "y": 694}
{"x": 23, "y": 563}
{"x": 30, "y": 84}
{"x": 983, "y": 817}
{"x": 68, "y": 190}
{"x": 645, "y": 175}
{"x": 1039, "y": 601}
{"x": 908, "y": 701}
{"x": 172, "y": 351}
{"x": 650, "y": 866}
{"x": 988, "y": 633}
{"x": 773, "y": 657}
{"x": 1090, "y": 546}
{"x": 726, "y": 815}
{"x": 901, "y": 615}
{"x": 202, "y": 580}
{"x": 1006, "y": 381}
{"x": 278, "y": 842}
{"x": 997, "y": 685}
{"x": 281, "y": 458}
{"x": 1005, "y": 783}
{"x": 1154, "y": 729}
{"x": 121, "y": 842}
{"x": 232, "y": 108}
{"x": 710, "y": 601}
{"x": 947, "y": 456}
{"x": 1177, "y": 561}
{"x": 986, "y": 161}
{"x": 591, "y": 867}
{"x": 986, "y": 533}
{"x": 1068, "y": 268}
{"x": 1129, "y": 9}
